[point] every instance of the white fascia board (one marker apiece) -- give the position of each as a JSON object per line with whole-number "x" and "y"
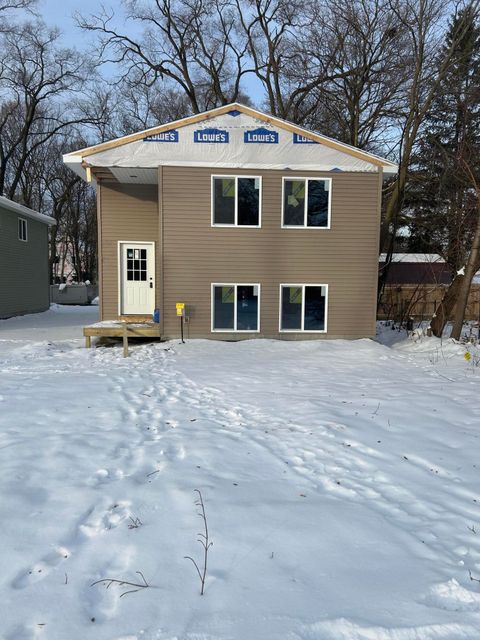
{"x": 74, "y": 162}
{"x": 5, "y": 203}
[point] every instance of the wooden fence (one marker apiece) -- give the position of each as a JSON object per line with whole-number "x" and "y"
{"x": 400, "y": 302}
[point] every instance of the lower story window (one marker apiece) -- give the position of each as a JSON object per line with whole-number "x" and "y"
{"x": 235, "y": 307}
{"x": 303, "y": 307}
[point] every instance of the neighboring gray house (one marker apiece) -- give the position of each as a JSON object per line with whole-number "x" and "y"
{"x": 24, "y": 272}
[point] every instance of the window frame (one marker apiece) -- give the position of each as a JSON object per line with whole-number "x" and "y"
{"x": 212, "y": 306}
{"x": 235, "y": 223}
{"x": 305, "y": 212}
{"x": 21, "y": 223}
{"x": 302, "y": 285}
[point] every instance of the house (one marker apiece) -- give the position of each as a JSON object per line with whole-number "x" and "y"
{"x": 259, "y": 227}
{"x": 24, "y": 271}
{"x": 417, "y": 268}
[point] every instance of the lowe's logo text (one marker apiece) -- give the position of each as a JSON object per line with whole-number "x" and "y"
{"x": 260, "y": 136}
{"x": 210, "y": 135}
{"x": 165, "y": 136}
{"x": 298, "y": 139}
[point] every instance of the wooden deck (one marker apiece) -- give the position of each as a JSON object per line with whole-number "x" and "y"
{"x": 121, "y": 329}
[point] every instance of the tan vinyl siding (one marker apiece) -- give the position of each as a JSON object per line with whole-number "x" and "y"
{"x": 344, "y": 257}
{"x": 195, "y": 254}
{"x": 130, "y": 213}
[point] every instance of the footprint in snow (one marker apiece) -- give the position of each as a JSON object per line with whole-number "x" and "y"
{"x": 28, "y": 632}
{"x": 103, "y": 517}
{"x": 41, "y": 569}
{"x": 101, "y": 600}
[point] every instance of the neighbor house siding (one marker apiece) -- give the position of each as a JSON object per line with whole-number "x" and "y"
{"x": 195, "y": 255}
{"x": 127, "y": 213}
{"x": 23, "y": 266}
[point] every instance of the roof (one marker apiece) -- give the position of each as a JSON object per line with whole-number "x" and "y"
{"x": 413, "y": 257}
{"x": 5, "y": 203}
{"x": 129, "y": 151}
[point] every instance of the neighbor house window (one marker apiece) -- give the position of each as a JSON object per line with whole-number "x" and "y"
{"x": 235, "y": 307}
{"x": 22, "y": 229}
{"x": 236, "y": 201}
{"x": 303, "y": 307}
{"x": 306, "y": 202}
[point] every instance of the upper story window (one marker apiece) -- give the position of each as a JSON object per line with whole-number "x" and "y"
{"x": 236, "y": 201}
{"x": 22, "y": 230}
{"x": 306, "y": 203}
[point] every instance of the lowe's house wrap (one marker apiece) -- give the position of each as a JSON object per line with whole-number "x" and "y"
{"x": 210, "y": 135}
{"x": 260, "y": 136}
{"x": 165, "y": 136}
{"x": 260, "y": 227}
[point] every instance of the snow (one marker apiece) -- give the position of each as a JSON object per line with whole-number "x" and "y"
{"x": 340, "y": 481}
{"x": 413, "y": 257}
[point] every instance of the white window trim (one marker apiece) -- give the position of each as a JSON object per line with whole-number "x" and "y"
{"x": 305, "y": 212}
{"x": 302, "y": 330}
{"x": 235, "y": 224}
{"x": 26, "y": 230}
{"x": 212, "y": 306}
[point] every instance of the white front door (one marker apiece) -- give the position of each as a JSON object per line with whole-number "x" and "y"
{"x": 137, "y": 278}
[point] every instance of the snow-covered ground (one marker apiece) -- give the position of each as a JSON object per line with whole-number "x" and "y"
{"x": 340, "y": 481}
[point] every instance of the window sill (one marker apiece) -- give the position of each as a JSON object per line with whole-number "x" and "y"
{"x": 305, "y": 227}
{"x": 235, "y": 331}
{"x": 236, "y": 226}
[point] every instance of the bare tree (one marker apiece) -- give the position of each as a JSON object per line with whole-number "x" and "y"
{"x": 423, "y": 22}
{"x": 456, "y": 296}
{"x": 360, "y": 103}
{"x": 190, "y": 45}
{"x": 37, "y": 76}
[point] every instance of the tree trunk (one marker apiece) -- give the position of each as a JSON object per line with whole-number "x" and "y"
{"x": 472, "y": 266}
{"x": 445, "y": 308}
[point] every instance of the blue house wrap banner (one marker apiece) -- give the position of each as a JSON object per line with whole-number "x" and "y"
{"x": 210, "y": 135}
{"x": 260, "y": 136}
{"x": 298, "y": 139}
{"x": 164, "y": 136}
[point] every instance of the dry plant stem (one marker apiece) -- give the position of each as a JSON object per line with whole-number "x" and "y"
{"x": 204, "y": 540}
{"x": 110, "y": 581}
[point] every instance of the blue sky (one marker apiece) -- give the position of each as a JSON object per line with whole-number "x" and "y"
{"x": 60, "y": 13}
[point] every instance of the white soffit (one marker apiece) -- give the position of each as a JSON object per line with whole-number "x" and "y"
{"x": 235, "y": 140}
{"x": 135, "y": 175}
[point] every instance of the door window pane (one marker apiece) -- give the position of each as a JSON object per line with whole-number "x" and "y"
{"x": 291, "y": 316}
{"x": 224, "y": 307}
{"x": 314, "y": 308}
{"x": 224, "y": 201}
{"x": 317, "y": 212}
{"x": 248, "y": 201}
{"x": 247, "y": 308}
{"x": 294, "y": 203}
